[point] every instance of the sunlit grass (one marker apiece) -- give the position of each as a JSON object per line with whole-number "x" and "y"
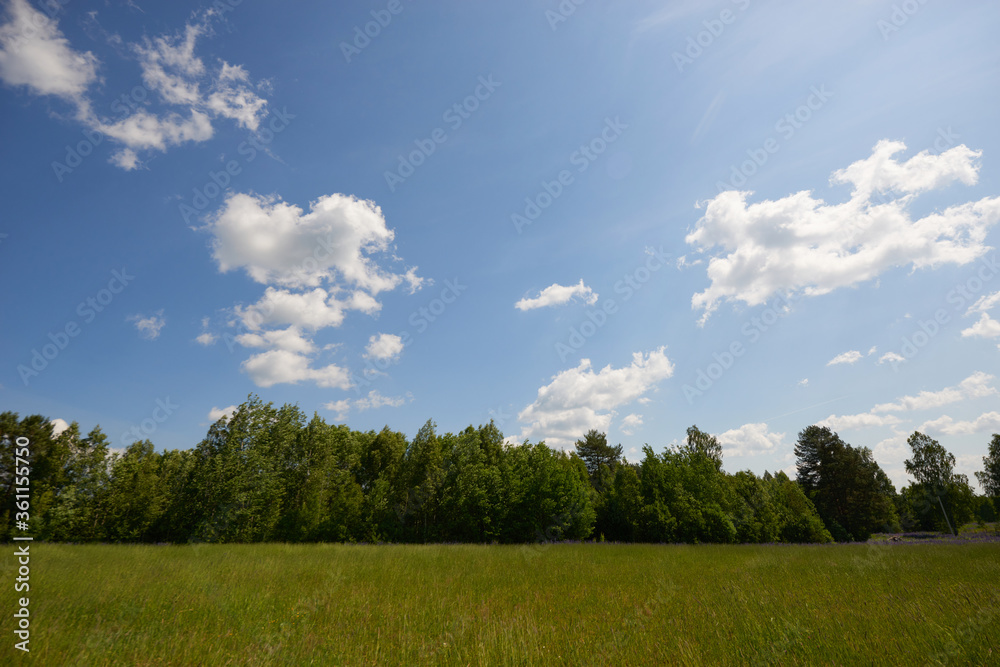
{"x": 560, "y": 604}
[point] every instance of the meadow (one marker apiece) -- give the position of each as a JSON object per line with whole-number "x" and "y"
{"x": 541, "y": 604}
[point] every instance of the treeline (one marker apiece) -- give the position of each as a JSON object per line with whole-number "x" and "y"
{"x": 271, "y": 474}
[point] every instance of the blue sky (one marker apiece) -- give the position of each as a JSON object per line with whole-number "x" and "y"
{"x": 749, "y": 216}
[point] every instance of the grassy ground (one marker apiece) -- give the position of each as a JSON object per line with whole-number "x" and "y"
{"x": 597, "y": 604}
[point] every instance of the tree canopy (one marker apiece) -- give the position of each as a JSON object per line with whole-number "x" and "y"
{"x": 271, "y": 473}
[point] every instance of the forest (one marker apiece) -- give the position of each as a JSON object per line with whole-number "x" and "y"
{"x": 269, "y": 474}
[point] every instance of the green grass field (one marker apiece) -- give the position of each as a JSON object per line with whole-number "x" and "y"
{"x": 597, "y": 604}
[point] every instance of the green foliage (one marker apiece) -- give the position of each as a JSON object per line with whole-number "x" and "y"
{"x": 268, "y": 474}
{"x": 600, "y": 458}
{"x": 136, "y": 498}
{"x": 852, "y": 494}
{"x": 940, "y": 499}
{"x": 989, "y": 476}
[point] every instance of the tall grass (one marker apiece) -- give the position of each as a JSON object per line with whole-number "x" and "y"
{"x": 597, "y": 604}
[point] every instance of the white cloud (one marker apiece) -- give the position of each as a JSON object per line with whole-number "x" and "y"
{"x": 384, "y": 347}
{"x": 850, "y": 357}
{"x": 36, "y": 54}
{"x": 215, "y": 414}
{"x": 863, "y": 420}
{"x": 986, "y": 327}
{"x": 276, "y": 243}
{"x": 630, "y": 423}
{"x": 317, "y": 266}
{"x": 976, "y": 385}
{"x": 986, "y": 422}
{"x": 308, "y": 310}
{"x": 206, "y": 339}
{"x": 284, "y": 367}
{"x": 892, "y": 358}
{"x": 290, "y": 340}
{"x": 376, "y": 400}
{"x": 170, "y": 67}
{"x": 872, "y": 350}
{"x": 804, "y": 382}
{"x": 126, "y": 159}
{"x": 232, "y": 98}
{"x": 984, "y": 303}
{"x": 143, "y": 131}
{"x": 750, "y": 440}
{"x": 803, "y": 245}
{"x": 578, "y": 399}
{"x": 373, "y": 400}
{"x": 556, "y": 295}
{"x": 148, "y": 326}
{"x": 893, "y": 449}
{"x": 58, "y": 426}
{"x": 340, "y": 408}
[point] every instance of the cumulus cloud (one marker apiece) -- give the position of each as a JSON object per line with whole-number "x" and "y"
{"x": 384, "y": 347}
{"x": 376, "y": 400}
{"x": 148, "y": 326}
{"x": 630, "y": 423}
{"x": 215, "y": 414}
{"x": 284, "y": 367}
{"x": 976, "y": 385}
{"x": 893, "y": 448}
{"x": 986, "y": 422}
{"x": 35, "y": 53}
{"x": 985, "y": 303}
{"x": 311, "y": 310}
{"x": 863, "y": 420}
{"x": 986, "y": 327}
{"x": 850, "y": 357}
{"x": 373, "y": 400}
{"x": 892, "y": 358}
{"x": 277, "y": 243}
{"x": 803, "y": 245}
{"x": 206, "y": 339}
{"x": 578, "y": 399}
{"x": 339, "y": 408}
{"x": 557, "y": 295}
{"x": 143, "y": 130}
{"x": 750, "y": 440}
{"x": 290, "y": 340}
{"x": 317, "y": 265}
